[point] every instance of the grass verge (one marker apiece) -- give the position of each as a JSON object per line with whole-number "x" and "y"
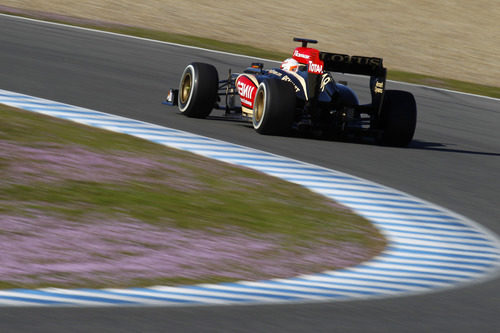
{"x": 83, "y": 207}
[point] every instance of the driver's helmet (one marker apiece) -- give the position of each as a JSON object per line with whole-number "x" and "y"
{"x": 290, "y": 64}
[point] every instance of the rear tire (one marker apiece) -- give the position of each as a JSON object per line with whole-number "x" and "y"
{"x": 398, "y": 118}
{"x": 198, "y": 90}
{"x": 274, "y": 107}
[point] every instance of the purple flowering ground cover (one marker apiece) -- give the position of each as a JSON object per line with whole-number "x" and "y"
{"x": 82, "y": 207}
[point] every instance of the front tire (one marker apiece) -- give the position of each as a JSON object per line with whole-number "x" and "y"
{"x": 398, "y": 118}
{"x": 274, "y": 107}
{"x": 198, "y": 90}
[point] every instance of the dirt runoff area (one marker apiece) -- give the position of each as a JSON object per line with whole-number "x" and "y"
{"x": 457, "y": 39}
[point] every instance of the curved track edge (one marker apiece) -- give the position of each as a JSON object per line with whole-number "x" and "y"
{"x": 429, "y": 247}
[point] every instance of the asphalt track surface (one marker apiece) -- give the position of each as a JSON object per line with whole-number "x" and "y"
{"x": 454, "y": 162}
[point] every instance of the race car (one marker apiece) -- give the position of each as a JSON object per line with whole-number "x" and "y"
{"x": 302, "y": 96}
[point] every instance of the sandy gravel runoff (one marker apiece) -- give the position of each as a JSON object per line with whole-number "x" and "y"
{"x": 457, "y": 39}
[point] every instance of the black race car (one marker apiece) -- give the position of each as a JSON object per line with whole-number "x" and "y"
{"x": 302, "y": 96}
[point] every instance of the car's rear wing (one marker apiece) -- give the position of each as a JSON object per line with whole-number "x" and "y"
{"x": 370, "y": 66}
{"x": 343, "y": 63}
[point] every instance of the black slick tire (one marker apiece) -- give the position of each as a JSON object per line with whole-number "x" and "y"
{"x": 398, "y": 118}
{"x": 274, "y": 107}
{"x": 198, "y": 90}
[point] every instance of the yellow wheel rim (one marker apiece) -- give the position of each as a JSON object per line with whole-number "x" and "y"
{"x": 186, "y": 87}
{"x": 259, "y": 106}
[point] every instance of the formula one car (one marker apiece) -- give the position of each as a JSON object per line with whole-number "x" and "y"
{"x": 303, "y": 96}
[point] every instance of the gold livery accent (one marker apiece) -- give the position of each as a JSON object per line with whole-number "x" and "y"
{"x": 324, "y": 81}
{"x": 300, "y": 79}
{"x": 274, "y": 72}
{"x": 379, "y": 87}
{"x": 287, "y": 79}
